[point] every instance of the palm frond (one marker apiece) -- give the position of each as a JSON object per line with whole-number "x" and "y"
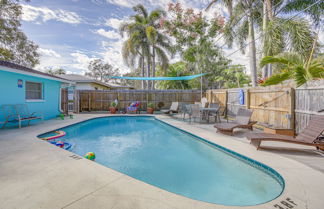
{"x": 140, "y": 9}
{"x": 277, "y": 78}
{"x": 300, "y": 35}
{"x": 315, "y": 12}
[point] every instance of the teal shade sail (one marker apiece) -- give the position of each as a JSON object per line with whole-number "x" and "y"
{"x": 181, "y": 78}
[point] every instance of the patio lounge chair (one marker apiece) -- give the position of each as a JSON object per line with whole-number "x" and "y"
{"x": 173, "y": 109}
{"x": 18, "y": 113}
{"x": 309, "y": 136}
{"x": 242, "y": 120}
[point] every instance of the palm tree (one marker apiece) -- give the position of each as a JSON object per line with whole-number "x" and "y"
{"x": 276, "y": 29}
{"x": 135, "y": 48}
{"x": 244, "y": 31}
{"x": 144, "y": 35}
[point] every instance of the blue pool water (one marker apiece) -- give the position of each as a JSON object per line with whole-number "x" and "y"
{"x": 161, "y": 155}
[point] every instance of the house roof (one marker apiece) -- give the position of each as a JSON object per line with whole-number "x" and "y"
{"x": 12, "y": 67}
{"x": 84, "y": 79}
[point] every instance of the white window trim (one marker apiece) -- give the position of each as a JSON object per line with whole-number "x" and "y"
{"x": 35, "y": 100}
{"x": 42, "y": 91}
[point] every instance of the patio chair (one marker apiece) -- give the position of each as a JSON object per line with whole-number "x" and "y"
{"x": 23, "y": 114}
{"x": 194, "y": 112}
{"x": 174, "y": 108}
{"x": 185, "y": 110}
{"x": 18, "y": 113}
{"x": 242, "y": 120}
{"x": 133, "y": 107}
{"x": 216, "y": 113}
{"x": 309, "y": 136}
{"x": 9, "y": 114}
{"x": 204, "y": 102}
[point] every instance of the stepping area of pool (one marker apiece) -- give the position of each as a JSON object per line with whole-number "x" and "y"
{"x": 36, "y": 174}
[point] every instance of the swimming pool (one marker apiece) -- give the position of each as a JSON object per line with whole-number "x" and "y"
{"x": 159, "y": 154}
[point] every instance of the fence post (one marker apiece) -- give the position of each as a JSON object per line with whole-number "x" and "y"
{"x": 248, "y": 99}
{"x": 89, "y": 102}
{"x": 292, "y": 109}
{"x": 226, "y": 99}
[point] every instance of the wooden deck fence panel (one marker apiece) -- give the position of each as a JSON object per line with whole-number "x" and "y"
{"x": 308, "y": 102}
{"x": 233, "y": 102}
{"x": 271, "y": 107}
{"x": 99, "y": 100}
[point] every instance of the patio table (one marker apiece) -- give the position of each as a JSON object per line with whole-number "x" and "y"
{"x": 206, "y": 110}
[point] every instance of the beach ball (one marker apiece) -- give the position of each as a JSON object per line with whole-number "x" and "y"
{"x": 60, "y": 144}
{"x": 90, "y": 156}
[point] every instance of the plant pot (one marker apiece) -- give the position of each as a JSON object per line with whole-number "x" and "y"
{"x": 150, "y": 110}
{"x": 113, "y": 110}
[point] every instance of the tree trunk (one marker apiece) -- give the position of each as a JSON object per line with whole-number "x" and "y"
{"x": 252, "y": 52}
{"x": 230, "y": 9}
{"x": 270, "y": 18}
{"x": 148, "y": 70}
{"x": 264, "y": 40}
{"x": 153, "y": 66}
{"x": 143, "y": 72}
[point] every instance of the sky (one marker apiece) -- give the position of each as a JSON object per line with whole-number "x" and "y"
{"x": 71, "y": 33}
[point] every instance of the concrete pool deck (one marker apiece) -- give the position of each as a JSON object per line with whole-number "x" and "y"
{"x": 36, "y": 174}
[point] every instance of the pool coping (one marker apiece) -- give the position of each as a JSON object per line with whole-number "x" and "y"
{"x": 302, "y": 183}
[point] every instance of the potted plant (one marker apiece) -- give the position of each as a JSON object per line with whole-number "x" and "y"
{"x": 150, "y": 108}
{"x": 113, "y": 107}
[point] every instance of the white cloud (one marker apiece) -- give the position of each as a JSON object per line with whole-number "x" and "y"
{"x": 108, "y": 34}
{"x": 48, "y": 52}
{"x": 44, "y": 14}
{"x": 114, "y": 22}
{"x": 81, "y": 60}
{"x": 161, "y": 3}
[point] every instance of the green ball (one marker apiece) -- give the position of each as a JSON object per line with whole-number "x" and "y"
{"x": 90, "y": 156}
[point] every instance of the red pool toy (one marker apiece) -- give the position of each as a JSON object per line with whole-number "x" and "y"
{"x": 59, "y": 134}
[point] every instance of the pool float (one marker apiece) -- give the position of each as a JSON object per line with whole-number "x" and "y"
{"x": 60, "y": 144}
{"x": 64, "y": 145}
{"x": 90, "y": 156}
{"x": 59, "y": 134}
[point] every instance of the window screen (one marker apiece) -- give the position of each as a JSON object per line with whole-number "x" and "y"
{"x": 33, "y": 90}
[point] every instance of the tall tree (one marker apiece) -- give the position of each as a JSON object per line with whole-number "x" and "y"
{"x": 101, "y": 71}
{"x": 145, "y": 41}
{"x": 14, "y": 44}
{"x": 194, "y": 34}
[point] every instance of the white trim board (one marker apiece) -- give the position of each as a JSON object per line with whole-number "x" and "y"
{"x": 12, "y": 70}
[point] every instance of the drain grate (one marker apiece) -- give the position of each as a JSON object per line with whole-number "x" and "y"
{"x": 75, "y": 157}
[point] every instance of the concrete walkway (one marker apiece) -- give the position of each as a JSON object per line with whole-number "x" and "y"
{"x": 36, "y": 174}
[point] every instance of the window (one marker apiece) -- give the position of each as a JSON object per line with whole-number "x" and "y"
{"x": 34, "y": 90}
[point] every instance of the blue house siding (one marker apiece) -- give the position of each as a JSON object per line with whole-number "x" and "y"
{"x": 10, "y": 93}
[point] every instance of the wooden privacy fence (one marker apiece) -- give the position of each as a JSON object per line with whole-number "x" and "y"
{"x": 97, "y": 100}
{"x": 271, "y": 107}
{"x": 308, "y": 102}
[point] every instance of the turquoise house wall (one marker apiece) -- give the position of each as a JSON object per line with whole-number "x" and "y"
{"x": 11, "y": 94}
